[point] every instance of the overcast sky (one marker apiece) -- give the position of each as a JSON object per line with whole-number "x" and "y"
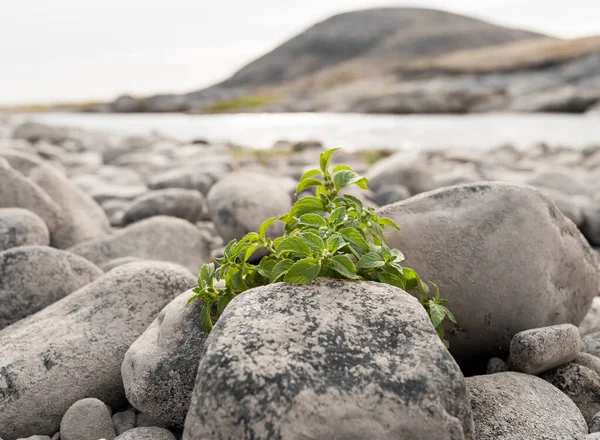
{"x": 64, "y": 50}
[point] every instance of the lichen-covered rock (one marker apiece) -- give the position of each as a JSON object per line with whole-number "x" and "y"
{"x": 159, "y": 369}
{"x": 73, "y": 349}
{"x": 87, "y": 419}
{"x": 329, "y": 359}
{"x": 471, "y": 240}
{"x": 33, "y": 277}
{"x": 20, "y": 227}
{"x": 148, "y": 433}
{"x": 187, "y": 204}
{"x": 511, "y": 406}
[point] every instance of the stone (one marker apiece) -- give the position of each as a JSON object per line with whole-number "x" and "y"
{"x": 594, "y": 425}
{"x": 127, "y": 104}
{"x": 591, "y": 322}
{"x": 82, "y": 218}
{"x": 559, "y": 180}
{"x": 591, "y": 224}
{"x": 33, "y": 277}
{"x": 110, "y": 265}
{"x": 21, "y": 161}
{"x": 328, "y": 359}
{"x": 590, "y": 343}
{"x": 566, "y": 99}
{"x": 388, "y": 194}
{"x": 157, "y": 238}
{"x": 513, "y": 405}
{"x": 159, "y": 369}
{"x": 496, "y": 365}
{"x": 147, "y": 434}
{"x": 187, "y": 204}
{"x": 403, "y": 168}
{"x": 187, "y": 178}
{"x": 41, "y": 377}
{"x": 471, "y": 240}
{"x": 123, "y": 421}
{"x": 541, "y": 349}
{"x": 589, "y": 361}
{"x": 581, "y": 384}
{"x": 20, "y": 227}
{"x": 144, "y": 420}
{"x": 36, "y": 437}
{"x": 241, "y": 201}
{"x": 35, "y": 131}
{"x": 87, "y": 419}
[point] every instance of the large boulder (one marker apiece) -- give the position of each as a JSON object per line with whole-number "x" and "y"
{"x": 242, "y": 200}
{"x": 187, "y": 204}
{"x": 33, "y": 277}
{"x": 503, "y": 255}
{"x": 159, "y": 369}
{"x": 73, "y": 349}
{"x": 20, "y": 227}
{"x": 157, "y": 238}
{"x": 330, "y": 359}
{"x": 510, "y": 406}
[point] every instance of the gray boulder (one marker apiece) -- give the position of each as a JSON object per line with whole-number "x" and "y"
{"x": 187, "y": 178}
{"x": 559, "y": 180}
{"x": 388, "y": 194}
{"x": 74, "y": 348}
{"x": 241, "y": 201}
{"x": 82, "y": 218}
{"x": 595, "y": 423}
{"x": 510, "y": 406}
{"x": 149, "y": 433}
{"x": 187, "y": 204}
{"x": 157, "y": 238}
{"x": 21, "y": 161}
{"x": 591, "y": 224}
{"x": 110, "y": 265}
{"x": 496, "y": 365}
{"x": 471, "y": 240}
{"x": 33, "y": 277}
{"x": 87, "y": 419}
{"x": 403, "y": 168}
{"x": 590, "y": 343}
{"x": 123, "y": 421}
{"x": 589, "y": 361}
{"x": 537, "y": 350}
{"x": 35, "y": 131}
{"x": 20, "y": 227}
{"x": 566, "y": 99}
{"x": 591, "y": 322}
{"x": 329, "y": 359}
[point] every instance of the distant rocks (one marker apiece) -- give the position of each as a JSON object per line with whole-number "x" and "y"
{"x": 34, "y": 131}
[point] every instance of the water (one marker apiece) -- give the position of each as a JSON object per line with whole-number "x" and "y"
{"x": 350, "y": 130}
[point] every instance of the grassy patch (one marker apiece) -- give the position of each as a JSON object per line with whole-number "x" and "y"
{"x": 39, "y": 108}
{"x": 243, "y": 103}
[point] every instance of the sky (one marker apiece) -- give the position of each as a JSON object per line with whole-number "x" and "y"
{"x": 79, "y": 50}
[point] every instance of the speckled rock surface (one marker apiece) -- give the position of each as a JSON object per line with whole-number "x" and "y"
{"x": 33, "y": 277}
{"x": 74, "y": 348}
{"x": 158, "y": 238}
{"x": 591, "y": 322}
{"x": 87, "y": 419}
{"x": 537, "y": 350}
{"x": 20, "y": 227}
{"x": 187, "y": 204}
{"x": 149, "y": 433}
{"x": 329, "y": 359}
{"x": 588, "y": 361}
{"x": 159, "y": 369}
{"x": 465, "y": 239}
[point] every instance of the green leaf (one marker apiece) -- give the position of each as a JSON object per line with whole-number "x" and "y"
{"x": 192, "y": 299}
{"x": 338, "y": 216}
{"x": 394, "y": 280}
{"x": 324, "y": 159}
{"x": 341, "y": 168}
{"x": 312, "y": 240}
{"x": 313, "y": 220}
{"x": 307, "y": 205}
{"x": 345, "y": 178}
{"x": 307, "y": 183}
{"x": 207, "y": 273}
{"x": 384, "y": 221}
{"x": 262, "y": 231}
{"x": 251, "y": 238}
{"x": 205, "y": 317}
{"x": 362, "y": 183}
{"x": 344, "y": 266}
{"x": 437, "y": 313}
{"x": 266, "y": 266}
{"x": 370, "y": 260}
{"x": 293, "y": 244}
{"x": 334, "y": 243}
{"x": 280, "y": 269}
{"x": 399, "y": 256}
{"x": 356, "y": 239}
{"x": 412, "y": 278}
{"x": 227, "y": 250}
{"x": 309, "y": 173}
{"x": 237, "y": 281}
{"x": 303, "y": 271}
{"x": 223, "y": 301}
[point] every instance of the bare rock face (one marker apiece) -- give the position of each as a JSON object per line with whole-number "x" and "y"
{"x": 329, "y": 359}
{"x": 20, "y": 227}
{"x": 73, "y": 349}
{"x": 503, "y": 255}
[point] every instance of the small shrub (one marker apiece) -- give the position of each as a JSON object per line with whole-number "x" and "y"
{"x": 326, "y": 235}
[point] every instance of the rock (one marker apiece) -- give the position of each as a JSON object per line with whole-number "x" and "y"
{"x": 591, "y": 322}
{"x": 593, "y": 436}
{"x": 241, "y": 201}
{"x": 147, "y": 434}
{"x": 110, "y": 265}
{"x": 572, "y": 207}
{"x": 127, "y": 104}
{"x": 157, "y": 238}
{"x": 165, "y": 103}
{"x": 591, "y": 224}
{"x": 34, "y": 131}
{"x": 581, "y": 384}
{"x": 564, "y": 182}
{"x": 403, "y": 168}
{"x": 87, "y": 419}
{"x": 159, "y": 369}
{"x": 36, "y": 437}
{"x": 187, "y": 204}
{"x": 123, "y": 421}
{"x": 144, "y": 420}
{"x": 82, "y": 218}
{"x": 465, "y": 239}
{"x": 388, "y": 194}
{"x": 511, "y": 405}
{"x": 537, "y": 350}
{"x": 594, "y": 424}
{"x": 565, "y": 99}
{"x": 41, "y": 377}
{"x": 496, "y": 365}
{"x": 21, "y": 161}
{"x": 187, "y": 178}
{"x": 589, "y": 361}
{"x": 16, "y": 191}
{"x": 20, "y": 227}
{"x": 329, "y": 359}
{"x": 33, "y": 277}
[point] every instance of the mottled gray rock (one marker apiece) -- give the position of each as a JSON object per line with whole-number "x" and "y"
{"x": 330, "y": 359}
{"x": 82, "y": 218}
{"x": 110, "y": 265}
{"x": 35, "y": 131}
{"x": 241, "y": 201}
{"x": 511, "y": 406}
{"x": 187, "y": 204}
{"x": 20, "y": 227}
{"x": 589, "y": 361}
{"x": 21, "y": 161}
{"x": 87, "y": 419}
{"x": 593, "y": 436}
{"x": 590, "y": 343}
{"x": 159, "y": 369}
{"x": 591, "y": 322}
{"x": 403, "y": 168}
{"x": 581, "y": 384}
{"x": 147, "y": 434}
{"x": 537, "y": 350}
{"x": 41, "y": 377}
{"x": 465, "y": 239}
{"x": 145, "y": 420}
{"x": 123, "y": 421}
{"x": 496, "y": 365}
{"x": 157, "y": 238}
{"x": 33, "y": 277}
{"x": 36, "y": 437}
{"x": 594, "y": 424}
{"x": 188, "y": 178}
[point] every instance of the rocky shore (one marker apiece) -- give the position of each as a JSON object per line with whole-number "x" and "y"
{"x": 102, "y": 237}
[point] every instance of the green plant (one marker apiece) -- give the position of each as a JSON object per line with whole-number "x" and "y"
{"x": 326, "y": 235}
{"x": 241, "y": 103}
